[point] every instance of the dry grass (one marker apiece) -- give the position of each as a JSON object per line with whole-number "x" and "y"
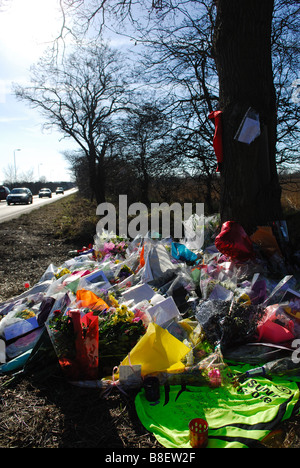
{"x": 43, "y": 410}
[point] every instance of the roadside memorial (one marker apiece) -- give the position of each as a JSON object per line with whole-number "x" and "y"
{"x": 208, "y": 332}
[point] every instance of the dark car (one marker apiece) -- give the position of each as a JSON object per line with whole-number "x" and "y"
{"x": 59, "y": 190}
{"x": 19, "y": 195}
{"x": 4, "y": 191}
{"x": 45, "y": 192}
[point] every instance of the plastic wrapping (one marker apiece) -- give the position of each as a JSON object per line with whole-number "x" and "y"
{"x": 229, "y": 324}
{"x": 157, "y": 350}
{"x": 277, "y": 325}
{"x": 285, "y": 366}
{"x": 218, "y": 281}
{"x": 194, "y": 232}
{"x": 75, "y": 340}
{"x": 165, "y": 308}
{"x": 181, "y": 252}
{"x": 211, "y": 371}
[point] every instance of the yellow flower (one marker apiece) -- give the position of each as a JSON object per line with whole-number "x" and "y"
{"x": 130, "y": 316}
{"x": 25, "y": 314}
{"x": 62, "y": 272}
{"x": 121, "y": 311}
{"x": 113, "y": 301}
{"x": 115, "y": 319}
{"x": 244, "y": 299}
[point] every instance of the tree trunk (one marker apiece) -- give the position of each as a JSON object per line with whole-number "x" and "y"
{"x": 250, "y": 189}
{"x": 145, "y": 177}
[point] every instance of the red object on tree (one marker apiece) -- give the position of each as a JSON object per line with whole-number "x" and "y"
{"x": 217, "y": 140}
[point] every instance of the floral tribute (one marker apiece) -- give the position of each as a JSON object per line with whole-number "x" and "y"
{"x": 119, "y": 331}
{"x": 110, "y": 246}
{"x": 89, "y": 343}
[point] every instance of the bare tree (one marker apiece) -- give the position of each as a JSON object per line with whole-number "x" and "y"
{"x": 145, "y": 136}
{"x": 285, "y": 55}
{"x": 80, "y": 97}
{"x": 180, "y": 60}
{"x": 242, "y": 50}
{"x": 9, "y": 174}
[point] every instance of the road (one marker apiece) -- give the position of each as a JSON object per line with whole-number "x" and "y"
{"x": 14, "y": 211}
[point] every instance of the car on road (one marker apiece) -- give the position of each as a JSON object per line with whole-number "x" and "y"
{"x": 59, "y": 190}
{"x": 19, "y": 195}
{"x": 45, "y": 192}
{"x": 4, "y": 191}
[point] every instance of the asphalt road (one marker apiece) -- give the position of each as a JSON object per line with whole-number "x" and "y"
{"x": 14, "y": 211}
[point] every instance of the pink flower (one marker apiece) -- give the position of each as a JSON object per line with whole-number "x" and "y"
{"x": 108, "y": 247}
{"x": 136, "y": 319}
{"x": 215, "y": 379}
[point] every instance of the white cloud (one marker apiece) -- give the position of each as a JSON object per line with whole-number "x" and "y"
{"x": 28, "y": 26}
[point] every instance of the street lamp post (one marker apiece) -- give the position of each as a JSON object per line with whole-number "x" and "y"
{"x": 15, "y": 163}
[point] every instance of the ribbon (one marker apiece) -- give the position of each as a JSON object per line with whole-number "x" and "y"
{"x": 114, "y": 383}
{"x": 217, "y": 140}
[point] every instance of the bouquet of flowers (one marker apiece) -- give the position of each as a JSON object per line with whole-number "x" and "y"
{"x": 89, "y": 344}
{"x": 119, "y": 331}
{"x": 25, "y": 314}
{"x": 124, "y": 272}
{"x": 61, "y": 332}
{"x": 75, "y": 340}
{"x": 62, "y": 272}
{"x": 110, "y": 246}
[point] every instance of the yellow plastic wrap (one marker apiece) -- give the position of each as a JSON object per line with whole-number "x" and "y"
{"x": 157, "y": 351}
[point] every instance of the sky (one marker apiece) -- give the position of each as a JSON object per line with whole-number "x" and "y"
{"x": 26, "y": 30}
